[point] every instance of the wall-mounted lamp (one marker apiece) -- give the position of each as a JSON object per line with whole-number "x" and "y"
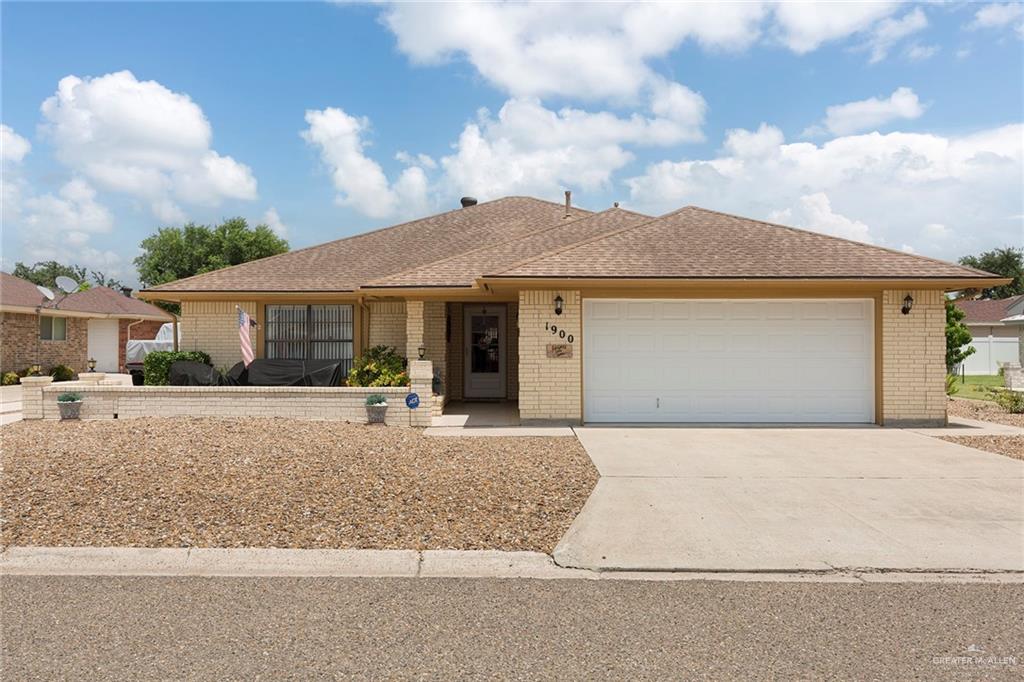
{"x": 558, "y": 305}
{"x": 908, "y": 303}
{"x": 422, "y": 351}
{"x": 92, "y": 364}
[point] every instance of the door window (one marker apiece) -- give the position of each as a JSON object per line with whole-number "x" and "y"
{"x": 484, "y": 349}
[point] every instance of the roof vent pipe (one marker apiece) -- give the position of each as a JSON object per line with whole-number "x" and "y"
{"x": 568, "y": 202}
{"x": 468, "y": 201}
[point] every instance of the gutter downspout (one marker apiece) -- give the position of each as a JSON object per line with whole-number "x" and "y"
{"x": 174, "y": 330}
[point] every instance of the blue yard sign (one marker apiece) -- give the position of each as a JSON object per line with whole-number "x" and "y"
{"x": 412, "y": 401}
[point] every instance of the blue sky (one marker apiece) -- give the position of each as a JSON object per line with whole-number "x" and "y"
{"x": 897, "y": 124}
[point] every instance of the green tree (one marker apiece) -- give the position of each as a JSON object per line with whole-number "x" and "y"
{"x": 1008, "y": 262}
{"x": 957, "y": 336}
{"x": 176, "y": 252}
{"x": 100, "y": 279}
{"x": 47, "y": 272}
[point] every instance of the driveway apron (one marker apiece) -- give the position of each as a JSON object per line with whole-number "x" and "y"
{"x": 792, "y": 499}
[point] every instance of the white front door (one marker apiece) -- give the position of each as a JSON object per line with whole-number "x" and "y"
{"x": 484, "y": 351}
{"x": 774, "y": 360}
{"x": 103, "y": 345}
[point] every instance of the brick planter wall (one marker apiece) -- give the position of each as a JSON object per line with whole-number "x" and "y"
{"x": 341, "y": 403}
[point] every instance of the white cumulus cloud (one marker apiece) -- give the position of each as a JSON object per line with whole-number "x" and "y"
{"x": 360, "y": 181}
{"x": 874, "y": 112}
{"x": 814, "y": 211}
{"x": 805, "y": 26}
{"x": 13, "y": 147}
{"x": 141, "y": 139}
{"x": 892, "y": 183}
{"x": 890, "y": 31}
{"x": 999, "y": 15}
{"x": 273, "y": 220}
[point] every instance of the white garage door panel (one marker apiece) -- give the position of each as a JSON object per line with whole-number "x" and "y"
{"x": 729, "y": 361}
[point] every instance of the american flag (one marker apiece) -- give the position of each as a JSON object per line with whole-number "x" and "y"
{"x": 243, "y": 336}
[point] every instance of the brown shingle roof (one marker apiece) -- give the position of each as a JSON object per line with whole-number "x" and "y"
{"x": 109, "y": 302}
{"x": 987, "y": 310}
{"x": 104, "y": 301}
{"x": 463, "y": 269}
{"x": 345, "y": 264}
{"x": 15, "y": 291}
{"x": 696, "y": 243}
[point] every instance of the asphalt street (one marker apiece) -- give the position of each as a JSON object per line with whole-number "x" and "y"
{"x": 280, "y": 628}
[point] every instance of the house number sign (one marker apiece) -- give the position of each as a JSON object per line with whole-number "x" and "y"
{"x": 558, "y": 332}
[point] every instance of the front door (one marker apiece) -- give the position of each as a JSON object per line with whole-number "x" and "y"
{"x": 485, "y": 351}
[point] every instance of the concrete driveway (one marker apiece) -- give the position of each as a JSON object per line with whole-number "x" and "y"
{"x": 750, "y": 499}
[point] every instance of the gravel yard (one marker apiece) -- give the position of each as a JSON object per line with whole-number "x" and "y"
{"x": 283, "y": 483}
{"x": 1011, "y": 446}
{"x": 983, "y": 410}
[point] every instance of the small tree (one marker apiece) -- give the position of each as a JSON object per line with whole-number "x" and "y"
{"x": 957, "y": 336}
{"x": 1008, "y": 262}
{"x": 46, "y": 273}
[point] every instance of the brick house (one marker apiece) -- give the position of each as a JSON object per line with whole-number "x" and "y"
{"x": 611, "y": 316}
{"x": 69, "y": 330}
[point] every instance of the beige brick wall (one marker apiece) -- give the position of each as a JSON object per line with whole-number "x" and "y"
{"x": 387, "y": 324}
{"x": 456, "y": 352}
{"x": 512, "y": 331}
{"x": 433, "y": 337}
{"x": 913, "y": 358}
{"x": 212, "y": 326}
{"x": 549, "y": 388}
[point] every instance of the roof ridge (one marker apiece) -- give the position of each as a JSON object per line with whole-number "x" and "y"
{"x": 569, "y": 247}
{"x": 591, "y": 214}
{"x": 353, "y": 236}
{"x": 841, "y": 239}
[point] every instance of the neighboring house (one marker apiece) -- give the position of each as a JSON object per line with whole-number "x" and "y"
{"x": 694, "y": 316}
{"x": 997, "y": 339}
{"x": 69, "y": 330}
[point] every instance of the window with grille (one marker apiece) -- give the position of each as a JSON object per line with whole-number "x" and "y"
{"x": 310, "y": 332}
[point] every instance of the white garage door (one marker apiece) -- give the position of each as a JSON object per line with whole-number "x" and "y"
{"x": 103, "y": 343}
{"x": 728, "y": 360}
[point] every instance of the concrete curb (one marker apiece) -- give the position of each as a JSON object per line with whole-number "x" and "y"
{"x": 373, "y": 563}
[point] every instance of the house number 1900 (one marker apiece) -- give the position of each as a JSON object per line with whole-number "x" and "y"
{"x": 556, "y": 331}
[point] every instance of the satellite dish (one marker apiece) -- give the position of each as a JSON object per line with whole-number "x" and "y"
{"x": 45, "y": 292}
{"x": 67, "y": 285}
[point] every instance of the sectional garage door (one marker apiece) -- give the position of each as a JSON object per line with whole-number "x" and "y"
{"x": 776, "y": 360}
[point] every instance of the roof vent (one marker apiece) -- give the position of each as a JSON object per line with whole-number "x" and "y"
{"x": 568, "y": 202}
{"x": 468, "y": 201}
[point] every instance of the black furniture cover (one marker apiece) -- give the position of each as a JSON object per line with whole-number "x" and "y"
{"x": 294, "y": 373}
{"x": 189, "y": 373}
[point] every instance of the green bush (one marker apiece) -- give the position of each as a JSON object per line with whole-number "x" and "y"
{"x": 157, "y": 365}
{"x": 62, "y": 373}
{"x": 378, "y": 366}
{"x": 376, "y": 399}
{"x": 951, "y": 387}
{"x": 69, "y": 398}
{"x": 1011, "y": 401}
{"x": 10, "y": 378}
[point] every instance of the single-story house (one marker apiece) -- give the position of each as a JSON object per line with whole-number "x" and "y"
{"x": 609, "y": 316}
{"x": 70, "y": 329}
{"x": 997, "y": 339}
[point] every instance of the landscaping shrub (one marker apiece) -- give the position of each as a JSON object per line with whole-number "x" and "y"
{"x": 1011, "y": 401}
{"x": 951, "y": 384}
{"x": 62, "y": 373}
{"x": 10, "y": 378}
{"x": 157, "y": 365}
{"x": 378, "y": 366}
{"x": 69, "y": 398}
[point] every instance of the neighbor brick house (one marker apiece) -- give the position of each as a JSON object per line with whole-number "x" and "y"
{"x": 611, "y": 316}
{"x": 70, "y": 329}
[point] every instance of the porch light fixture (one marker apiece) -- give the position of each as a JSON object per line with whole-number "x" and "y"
{"x": 908, "y": 303}
{"x": 422, "y": 351}
{"x": 558, "y": 305}
{"x": 92, "y": 364}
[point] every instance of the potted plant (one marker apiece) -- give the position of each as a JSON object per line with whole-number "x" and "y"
{"x": 70, "y": 405}
{"x": 376, "y": 407}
